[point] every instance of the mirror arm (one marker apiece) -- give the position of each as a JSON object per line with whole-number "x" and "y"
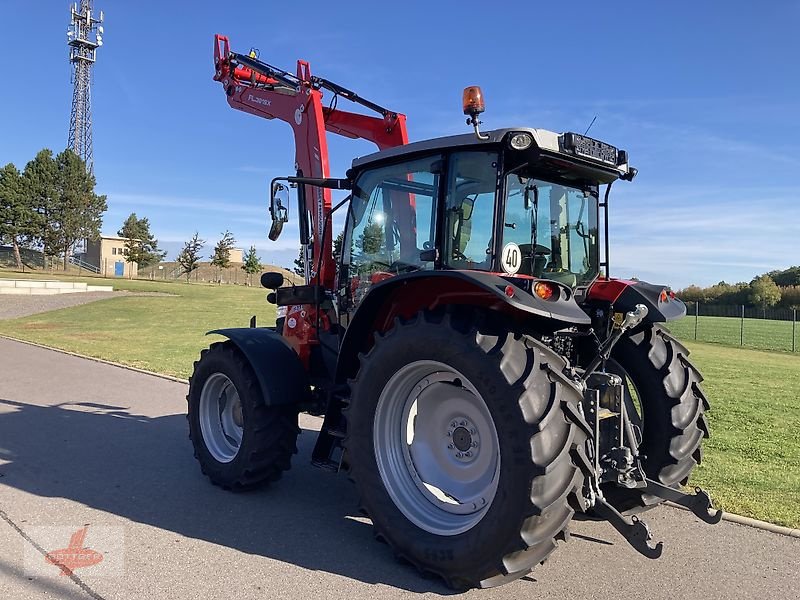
{"x": 323, "y": 182}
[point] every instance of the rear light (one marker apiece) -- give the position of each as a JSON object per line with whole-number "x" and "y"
{"x": 545, "y": 291}
{"x": 663, "y": 297}
{"x": 509, "y": 291}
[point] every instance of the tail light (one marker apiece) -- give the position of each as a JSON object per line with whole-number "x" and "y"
{"x": 545, "y": 290}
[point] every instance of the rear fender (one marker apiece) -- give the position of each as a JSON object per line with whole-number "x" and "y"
{"x": 280, "y": 373}
{"x": 624, "y": 295}
{"x": 404, "y": 296}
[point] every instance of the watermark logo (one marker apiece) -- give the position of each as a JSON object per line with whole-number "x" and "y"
{"x": 74, "y": 556}
{"x": 96, "y": 551}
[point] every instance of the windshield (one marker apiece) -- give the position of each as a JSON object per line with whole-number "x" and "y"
{"x": 549, "y": 230}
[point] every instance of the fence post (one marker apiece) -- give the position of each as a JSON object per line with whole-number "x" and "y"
{"x": 741, "y": 329}
{"x": 696, "y": 317}
{"x": 794, "y": 325}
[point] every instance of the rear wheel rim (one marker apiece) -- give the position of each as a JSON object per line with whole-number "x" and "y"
{"x": 221, "y": 418}
{"x": 436, "y": 447}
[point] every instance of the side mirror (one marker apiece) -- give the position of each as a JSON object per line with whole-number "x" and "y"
{"x": 278, "y": 202}
{"x": 467, "y": 206}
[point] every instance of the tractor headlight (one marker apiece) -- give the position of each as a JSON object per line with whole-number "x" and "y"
{"x": 521, "y": 141}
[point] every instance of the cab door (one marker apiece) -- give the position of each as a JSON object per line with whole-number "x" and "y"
{"x": 391, "y": 226}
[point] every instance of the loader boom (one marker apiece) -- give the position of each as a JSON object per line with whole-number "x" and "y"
{"x": 265, "y": 91}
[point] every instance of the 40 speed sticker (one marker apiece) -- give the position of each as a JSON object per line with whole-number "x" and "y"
{"x": 511, "y": 258}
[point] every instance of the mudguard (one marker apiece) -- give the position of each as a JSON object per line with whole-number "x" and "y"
{"x": 280, "y": 373}
{"x": 405, "y": 295}
{"x": 624, "y": 295}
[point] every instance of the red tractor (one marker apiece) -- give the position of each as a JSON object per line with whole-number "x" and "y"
{"x": 482, "y": 378}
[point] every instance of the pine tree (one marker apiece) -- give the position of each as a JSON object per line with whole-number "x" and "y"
{"x": 17, "y": 217}
{"x": 189, "y": 257}
{"x": 141, "y": 246}
{"x": 78, "y": 210}
{"x": 39, "y": 182}
{"x": 222, "y": 253}
{"x": 252, "y": 264}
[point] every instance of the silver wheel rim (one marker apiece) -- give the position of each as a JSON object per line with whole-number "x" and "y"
{"x": 437, "y": 448}
{"x": 221, "y": 418}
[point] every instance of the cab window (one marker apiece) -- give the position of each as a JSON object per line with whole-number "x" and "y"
{"x": 469, "y": 212}
{"x": 391, "y": 223}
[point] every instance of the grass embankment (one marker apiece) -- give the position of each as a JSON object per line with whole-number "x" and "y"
{"x": 751, "y": 464}
{"x": 759, "y": 334}
{"x": 158, "y": 333}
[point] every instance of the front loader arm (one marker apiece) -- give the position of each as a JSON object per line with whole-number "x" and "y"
{"x": 265, "y": 91}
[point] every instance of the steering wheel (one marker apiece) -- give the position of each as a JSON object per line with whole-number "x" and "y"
{"x": 538, "y": 250}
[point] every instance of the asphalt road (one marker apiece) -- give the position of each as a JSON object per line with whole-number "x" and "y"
{"x": 82, "y": 443}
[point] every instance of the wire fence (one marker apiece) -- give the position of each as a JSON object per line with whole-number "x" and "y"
{"x": 744, "y": 326}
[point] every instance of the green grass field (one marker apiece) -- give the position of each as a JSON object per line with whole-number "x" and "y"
{"x": 761, "y": 334}
{"x": 752, "y": 461}
{"x": 159, "y": 333}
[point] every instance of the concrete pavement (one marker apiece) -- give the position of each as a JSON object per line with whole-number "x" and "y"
{"x": 87, "y": 443}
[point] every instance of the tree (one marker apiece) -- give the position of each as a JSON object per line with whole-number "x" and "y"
{"x": 764, "y": 292}
{"x": 790, "y": 296}
{"x": 790, "y": 276}
{"x": 371, "y": 241}
{"x": 141, "y": 246}
{"x": 39, "y": 182}
{"x": 189, "y": 257}
{"x": 222, "y": 251}
{"x": 252, "y": 264}
{"x": 221, "y": 258}
{"x": 300, "y": 263}
{"x": 337, "y": 247}
{"x": 17, "y": 218}
{"x": 79, "y": 211}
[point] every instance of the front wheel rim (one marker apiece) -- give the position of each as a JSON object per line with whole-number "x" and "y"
{"x": 437, "y": 448}
{"x": 221, "y": 418}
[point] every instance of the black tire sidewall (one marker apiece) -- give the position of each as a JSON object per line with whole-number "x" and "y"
{"x": 500, "y": 526}
{"x": 223, "y": 358}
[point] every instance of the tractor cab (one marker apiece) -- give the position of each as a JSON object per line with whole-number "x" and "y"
{"x": 520, "y": 203}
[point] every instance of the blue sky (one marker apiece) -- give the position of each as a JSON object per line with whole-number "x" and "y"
{"x": 704, "y": 96}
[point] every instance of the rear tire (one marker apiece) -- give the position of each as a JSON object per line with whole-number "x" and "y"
{"x": 239, "y": 442}
{"x": 525, "y": 406}
{"x": 656, "y": 367}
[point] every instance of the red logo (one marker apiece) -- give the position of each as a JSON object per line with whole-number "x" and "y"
{"x": 74, "y": 556}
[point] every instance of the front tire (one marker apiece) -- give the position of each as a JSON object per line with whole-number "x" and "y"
{"x": 239, "y": 441}
{"x": 432, "y": 390}
{"x": 671, "y": 410}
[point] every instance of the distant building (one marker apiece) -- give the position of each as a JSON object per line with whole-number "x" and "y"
{"x": 107, "y": 255}
{"x": 237, "y": 256}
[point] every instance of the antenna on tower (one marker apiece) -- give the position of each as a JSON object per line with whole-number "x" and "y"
{"x": 84, "y": 37}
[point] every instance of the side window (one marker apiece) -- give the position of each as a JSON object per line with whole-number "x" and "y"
{"x": 470, "y": 209}
{"x": 392, "y": 219}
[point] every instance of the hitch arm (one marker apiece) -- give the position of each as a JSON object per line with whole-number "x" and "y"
{"x": 632, "y": 319}
{"x": 635, "y": 531}
{"x": 699, "y": 502}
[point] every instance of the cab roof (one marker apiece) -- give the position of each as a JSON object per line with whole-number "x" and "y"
{"x": 548, "y": 141}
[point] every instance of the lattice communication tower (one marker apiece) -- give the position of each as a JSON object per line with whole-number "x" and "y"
{"x": 84, "y": 37}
